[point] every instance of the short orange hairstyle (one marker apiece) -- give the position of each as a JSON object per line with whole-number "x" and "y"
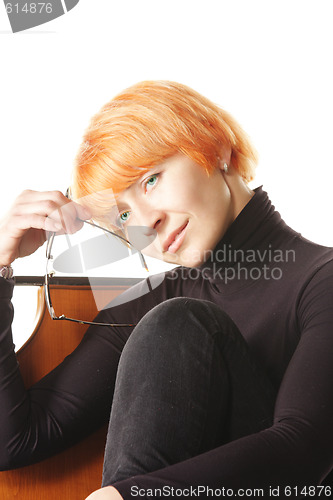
{"x": 147, "y": 123}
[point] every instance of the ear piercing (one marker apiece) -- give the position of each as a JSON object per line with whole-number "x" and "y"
{"x": 225, "y": 167}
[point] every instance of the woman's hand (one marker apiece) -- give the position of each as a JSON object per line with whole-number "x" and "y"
{"x": 23, "y": 229}
{"x": 106, "y": 493}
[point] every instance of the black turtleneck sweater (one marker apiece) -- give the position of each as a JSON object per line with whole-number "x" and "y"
{"x": 278, "y": 289}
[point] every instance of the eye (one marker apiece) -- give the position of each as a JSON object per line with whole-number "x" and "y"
{"x": 124, "y": 216}
{"x": 151, "y": 181}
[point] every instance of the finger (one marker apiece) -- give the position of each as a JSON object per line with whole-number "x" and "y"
{"x": 83, "y": 212}
{"x": 40, "y": 207}
{"x": 30, "y": 196}
{"x": 69, "y": 216}
{"x": 20, "y": 224}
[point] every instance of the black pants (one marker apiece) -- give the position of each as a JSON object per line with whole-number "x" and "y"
{"x": 185, "y": 384}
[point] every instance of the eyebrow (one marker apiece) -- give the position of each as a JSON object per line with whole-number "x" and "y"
{"x": 123, "y": 206}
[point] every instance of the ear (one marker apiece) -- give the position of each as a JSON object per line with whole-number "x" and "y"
{"x": 224, "y": 159}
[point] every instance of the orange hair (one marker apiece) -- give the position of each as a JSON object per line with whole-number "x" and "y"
{"x": 147, "y": 123}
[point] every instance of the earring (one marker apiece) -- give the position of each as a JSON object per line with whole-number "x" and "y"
{"x": 225, "y": 165}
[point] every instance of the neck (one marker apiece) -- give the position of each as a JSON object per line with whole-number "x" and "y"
{"x": 240, "y": 192}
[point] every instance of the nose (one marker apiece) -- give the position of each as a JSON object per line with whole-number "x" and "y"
{"x": 151, "y": 218}
{"x": 147, "y": 224}
{"x": 148, "y": 215}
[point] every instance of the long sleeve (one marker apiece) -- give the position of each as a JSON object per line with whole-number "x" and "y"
{"x": 58, "y": 410}
{"x": 298, "y": 449}
{"x": 75, "y": 398}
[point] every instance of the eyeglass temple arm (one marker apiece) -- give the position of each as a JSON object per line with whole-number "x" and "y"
{"x": 63, "y": 317}
{"x": 143, "y": 261}
{"x": 120, "y": 237}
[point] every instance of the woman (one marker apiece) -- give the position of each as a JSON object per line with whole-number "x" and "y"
{"x": 226, "y": 380}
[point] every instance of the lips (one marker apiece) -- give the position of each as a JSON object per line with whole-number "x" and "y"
{"x": 175, "y": 239}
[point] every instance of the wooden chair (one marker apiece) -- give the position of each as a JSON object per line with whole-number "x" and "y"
{"x": 76, "y": 472}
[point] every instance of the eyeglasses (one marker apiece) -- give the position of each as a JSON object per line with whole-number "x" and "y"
{"x": 49, "y": 274}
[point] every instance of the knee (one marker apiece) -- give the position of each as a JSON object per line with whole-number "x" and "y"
{"x": 181, "y": 320}
{"x": 174, "y": 335}
{"x": 178, "y": 332}
{"x": 171, "y": 316}
{"x": 175, "y": 311}
{"x": 179, "y": 312}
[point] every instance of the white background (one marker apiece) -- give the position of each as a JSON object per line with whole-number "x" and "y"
{"x": 269, "y": 63}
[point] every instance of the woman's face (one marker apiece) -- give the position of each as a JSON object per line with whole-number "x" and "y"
{"x": 189, "y": 210}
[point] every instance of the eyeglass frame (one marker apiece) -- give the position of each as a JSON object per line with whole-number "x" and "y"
{"x": 48, "y": 276}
